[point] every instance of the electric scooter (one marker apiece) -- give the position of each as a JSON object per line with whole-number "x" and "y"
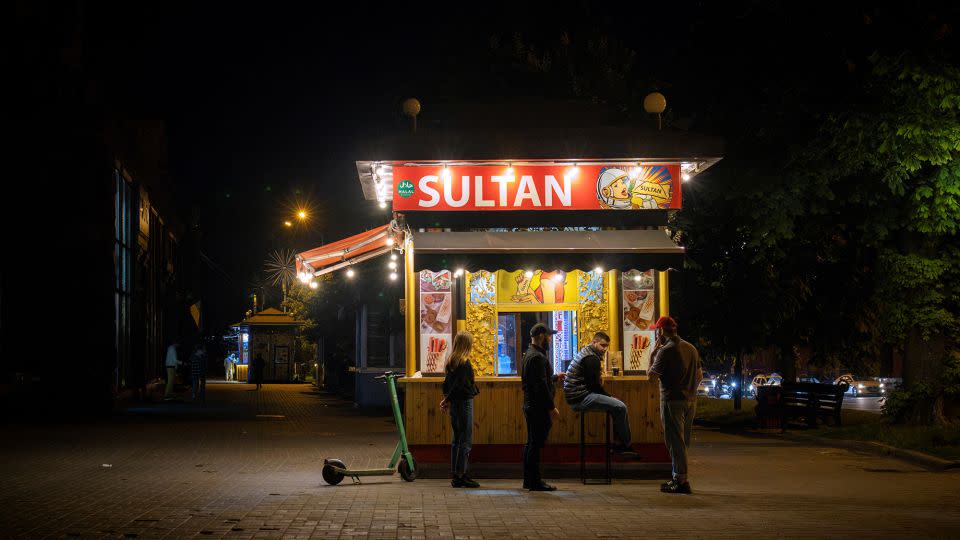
{"x": 334, "y": 470}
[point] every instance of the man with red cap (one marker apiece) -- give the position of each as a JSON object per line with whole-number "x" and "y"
{"x": 676, "y": 363}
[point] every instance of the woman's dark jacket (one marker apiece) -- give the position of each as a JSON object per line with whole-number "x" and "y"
{"x": 459, "y": 384}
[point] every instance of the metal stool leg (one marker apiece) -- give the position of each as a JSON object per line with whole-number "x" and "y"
{"x": 608, "y": 467}
{"x": 583, "y": 449}
{"x": 606, "y": 449}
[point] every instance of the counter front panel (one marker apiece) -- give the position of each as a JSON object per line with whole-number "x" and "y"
{"x": 498, "y": 413}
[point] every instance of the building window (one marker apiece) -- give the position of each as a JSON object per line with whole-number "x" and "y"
{"x": 123, "y": 265}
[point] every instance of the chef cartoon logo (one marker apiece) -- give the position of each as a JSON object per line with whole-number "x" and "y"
{"x": 645, "y": 187}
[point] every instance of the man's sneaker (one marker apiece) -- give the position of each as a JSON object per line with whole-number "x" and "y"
{"x": 457, "y": 481}
{"x": 543, "y": 486}
{"x": 675, "y": 487}
{"x": 467, "y": 482}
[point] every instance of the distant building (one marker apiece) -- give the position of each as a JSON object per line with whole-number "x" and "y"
{"x": 95, "y": 279}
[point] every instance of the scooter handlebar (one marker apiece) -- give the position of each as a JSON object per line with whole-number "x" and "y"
{"x": 385, "y": 375}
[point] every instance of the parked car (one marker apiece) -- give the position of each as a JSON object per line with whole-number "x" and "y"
{"x": 758, "y": 380}
{"x": 809, "y": 379}
{"x": 890, "y": 383}
{"x": 861, "y": 386}
{"x": 708, "y": 387}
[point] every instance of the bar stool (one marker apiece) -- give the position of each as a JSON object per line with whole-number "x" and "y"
{"x": 607, "y": 477}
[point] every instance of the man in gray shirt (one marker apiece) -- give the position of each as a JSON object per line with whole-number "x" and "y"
{"x": 676, "y": 363}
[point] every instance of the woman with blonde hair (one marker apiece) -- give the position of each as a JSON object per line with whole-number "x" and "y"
{"x": 459, "y": 390}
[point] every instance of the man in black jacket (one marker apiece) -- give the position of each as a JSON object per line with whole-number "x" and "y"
{"x": 583, "y": 389}
{"x": 538, "y": 405}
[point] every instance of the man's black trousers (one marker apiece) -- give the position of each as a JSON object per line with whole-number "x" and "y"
{"x": 538, "y": 427}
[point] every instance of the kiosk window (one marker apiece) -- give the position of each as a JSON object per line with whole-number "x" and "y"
{"x": 513, "y": 338}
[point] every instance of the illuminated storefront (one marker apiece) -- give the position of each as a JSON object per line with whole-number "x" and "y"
{"x": 495, "y": 246}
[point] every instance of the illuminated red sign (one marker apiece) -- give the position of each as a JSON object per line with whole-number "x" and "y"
{"x": 536, "y": 187}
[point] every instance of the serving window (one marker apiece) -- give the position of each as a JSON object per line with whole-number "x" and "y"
{"x": 500, "y": 307}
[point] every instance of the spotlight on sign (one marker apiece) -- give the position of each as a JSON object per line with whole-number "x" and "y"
{"x": 528, "y": 273}
{"x": 598, "y": 269}
{"x": 686, "y": 177}
{"x": 637, "y": 277}
{"x": 458, "y": 272}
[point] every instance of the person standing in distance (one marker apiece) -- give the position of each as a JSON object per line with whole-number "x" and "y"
{"x": 538, "y": 404}
{"x": 676, "y": 363}
{"x": 171, "y": 363}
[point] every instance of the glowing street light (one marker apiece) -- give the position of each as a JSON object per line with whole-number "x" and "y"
{"x": 288, "y": 223}
{"x": 302, "y": 215}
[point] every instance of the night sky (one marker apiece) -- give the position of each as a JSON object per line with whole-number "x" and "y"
{"x": 266, "y": 106}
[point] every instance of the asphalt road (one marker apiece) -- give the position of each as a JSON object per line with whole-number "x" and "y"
{"x": 871, "y": 404}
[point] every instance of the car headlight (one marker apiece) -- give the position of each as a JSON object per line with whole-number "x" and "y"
{"x": 751, "y": 387}
{"x": 881, "y": 385}
{"x": 860, "y": 386}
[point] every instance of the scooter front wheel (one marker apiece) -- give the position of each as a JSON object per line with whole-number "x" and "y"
{"x": 406, "y": 472}
{"x": 331, "y": 475}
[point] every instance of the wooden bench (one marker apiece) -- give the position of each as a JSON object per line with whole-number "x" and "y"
{"x": 795, "y": 400}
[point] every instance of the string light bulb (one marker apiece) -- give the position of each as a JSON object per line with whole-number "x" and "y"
{"x": 393, "y": 276}
{"x": 350, "y": 272}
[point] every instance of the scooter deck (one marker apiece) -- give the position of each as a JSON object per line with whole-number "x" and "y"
{"x": 364, "y": 472}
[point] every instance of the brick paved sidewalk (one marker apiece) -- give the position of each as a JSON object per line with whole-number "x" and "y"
{"x": 247, "y": 464}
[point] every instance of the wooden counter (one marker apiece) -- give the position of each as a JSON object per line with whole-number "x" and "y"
{"x": 498, "y": 414}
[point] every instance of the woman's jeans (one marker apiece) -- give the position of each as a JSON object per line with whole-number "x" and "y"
{"x": 461, "y": 420}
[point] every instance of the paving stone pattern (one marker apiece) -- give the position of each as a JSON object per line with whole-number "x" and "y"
{"x": 247, "y": 465}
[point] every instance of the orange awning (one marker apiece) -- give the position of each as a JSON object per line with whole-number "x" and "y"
{"x": 353, "y": 249}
